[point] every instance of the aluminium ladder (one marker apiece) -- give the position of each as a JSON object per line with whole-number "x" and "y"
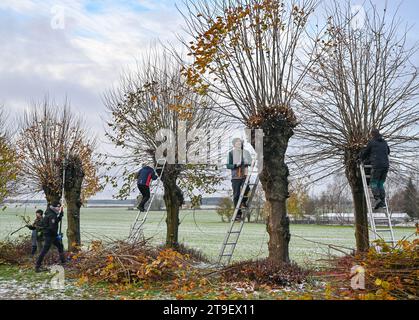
{"x": 236, "y": 226}
{"x": 380, "y": 222}
{"x": 136, "y": 231}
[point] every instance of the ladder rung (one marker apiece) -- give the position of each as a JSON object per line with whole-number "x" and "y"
{"x": 383, "y": 230}
{"x": 226, "y": 255}
{"x": 230, "y": 243}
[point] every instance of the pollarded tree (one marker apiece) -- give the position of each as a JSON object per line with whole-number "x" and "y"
{"x": 9, "y": 164}
{"x": 52, "y": 140}
{"x": 363, "y": 79}
{"x": 411, "y": 199}
{"x": 254, "y": 54}
{"x": 151, "y": 99}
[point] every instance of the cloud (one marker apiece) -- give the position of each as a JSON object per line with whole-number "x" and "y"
{"x": 83, "y": 59}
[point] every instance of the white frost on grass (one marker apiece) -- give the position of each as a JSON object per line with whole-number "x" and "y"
{"x": 16, "y": 290}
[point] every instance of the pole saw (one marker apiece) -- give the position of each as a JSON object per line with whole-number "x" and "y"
{"x": 60, "y": 233}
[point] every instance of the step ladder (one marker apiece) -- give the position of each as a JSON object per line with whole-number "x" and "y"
{"x": 380, "y": 220}
{"x": 233, "y": 232}
{"x": 136, "y": 231}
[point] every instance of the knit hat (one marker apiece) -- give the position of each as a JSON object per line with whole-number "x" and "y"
{"x": 375, "y": 132}
{"x": 56, "y": 204}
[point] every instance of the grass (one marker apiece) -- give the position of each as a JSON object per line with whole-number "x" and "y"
{"x": 202, "y": 230}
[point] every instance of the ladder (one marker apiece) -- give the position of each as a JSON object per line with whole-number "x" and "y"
{"x": 380, "y": 222}
{"x": 136, "y": 230}
{"x": 233, "y": 232}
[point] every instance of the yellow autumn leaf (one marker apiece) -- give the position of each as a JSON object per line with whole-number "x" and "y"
{"x": 386, "y": 285}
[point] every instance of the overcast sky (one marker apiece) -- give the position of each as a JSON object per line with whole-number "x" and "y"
{"x": 82, "y": 56}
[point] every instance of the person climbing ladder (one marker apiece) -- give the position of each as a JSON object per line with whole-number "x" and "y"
{"x": 377, "y": 151}
{"x": 144, "y": 178}
{"x": 238, "y": 161}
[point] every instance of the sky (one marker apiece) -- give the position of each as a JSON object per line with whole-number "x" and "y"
{"x": 78, "y": 49}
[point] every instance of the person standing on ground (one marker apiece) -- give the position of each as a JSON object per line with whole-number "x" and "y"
{"x": 144, "y": 178}
{"x": 37, "y": 236}
{"x": 377, "y": 151}
{"x": 49, "y": 224}
{"x": 238, "y": 161}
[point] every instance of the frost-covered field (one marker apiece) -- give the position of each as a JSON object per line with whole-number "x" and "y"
{"x": 201, "y": 230}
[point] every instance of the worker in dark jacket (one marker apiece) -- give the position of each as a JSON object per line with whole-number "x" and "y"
{"x": 238, "y": 161}
{"x": 377, "y": 151}
{"x": 144, "y": 178}
{"x": 49, "y": 225}
{"x": 37, "y": 235}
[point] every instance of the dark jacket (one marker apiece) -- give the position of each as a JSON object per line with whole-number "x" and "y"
{"x": 36, "y": 226}
{"x": 239, "y": 170}
{"x": 145, "y": 175}
{"x": 50, "y": 222}
{"x": 377, "y": 152}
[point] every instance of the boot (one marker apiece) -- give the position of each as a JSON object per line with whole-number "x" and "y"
{"x": 62, "y": 258}
{"x": 377, "y": 204}
{"x": 39, "y": 269}
{"x": 239, "y": 216}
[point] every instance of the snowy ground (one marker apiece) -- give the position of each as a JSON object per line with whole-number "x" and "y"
{"x": 20, "y": 284}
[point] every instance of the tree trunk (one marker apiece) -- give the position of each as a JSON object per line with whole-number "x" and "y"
{"x": 173, "y": 203}
{"x": 274, "y": 179}
{"x": 73, "y": 190}
{"x": 361, "y": 218}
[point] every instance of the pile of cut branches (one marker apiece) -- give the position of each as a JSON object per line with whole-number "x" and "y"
{"x": 15, "y": 251}
{"x": 393, "y": 273}
{"x": 389, "y": 273}
{"x": 18, "y": 252}
{"x": 265, "y": 272}
{"x": 121, "y": 262}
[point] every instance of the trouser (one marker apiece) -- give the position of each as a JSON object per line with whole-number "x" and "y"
{"x": 378, "y": 178}
{"x": 49, "y": 241}
{"x": 34, "y": 242}
{"x": 145, "y": 192}
{"x": 237, "y": 185}
{"x": 38, "y": 246}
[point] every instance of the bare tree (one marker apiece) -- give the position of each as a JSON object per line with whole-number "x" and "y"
{"x": 363, "y": 79}
{"x": 8, "y": 159}
{"x": 52, "y": 141}
{"x": 254, "y": 55}
{"x": 152, "y": 98}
